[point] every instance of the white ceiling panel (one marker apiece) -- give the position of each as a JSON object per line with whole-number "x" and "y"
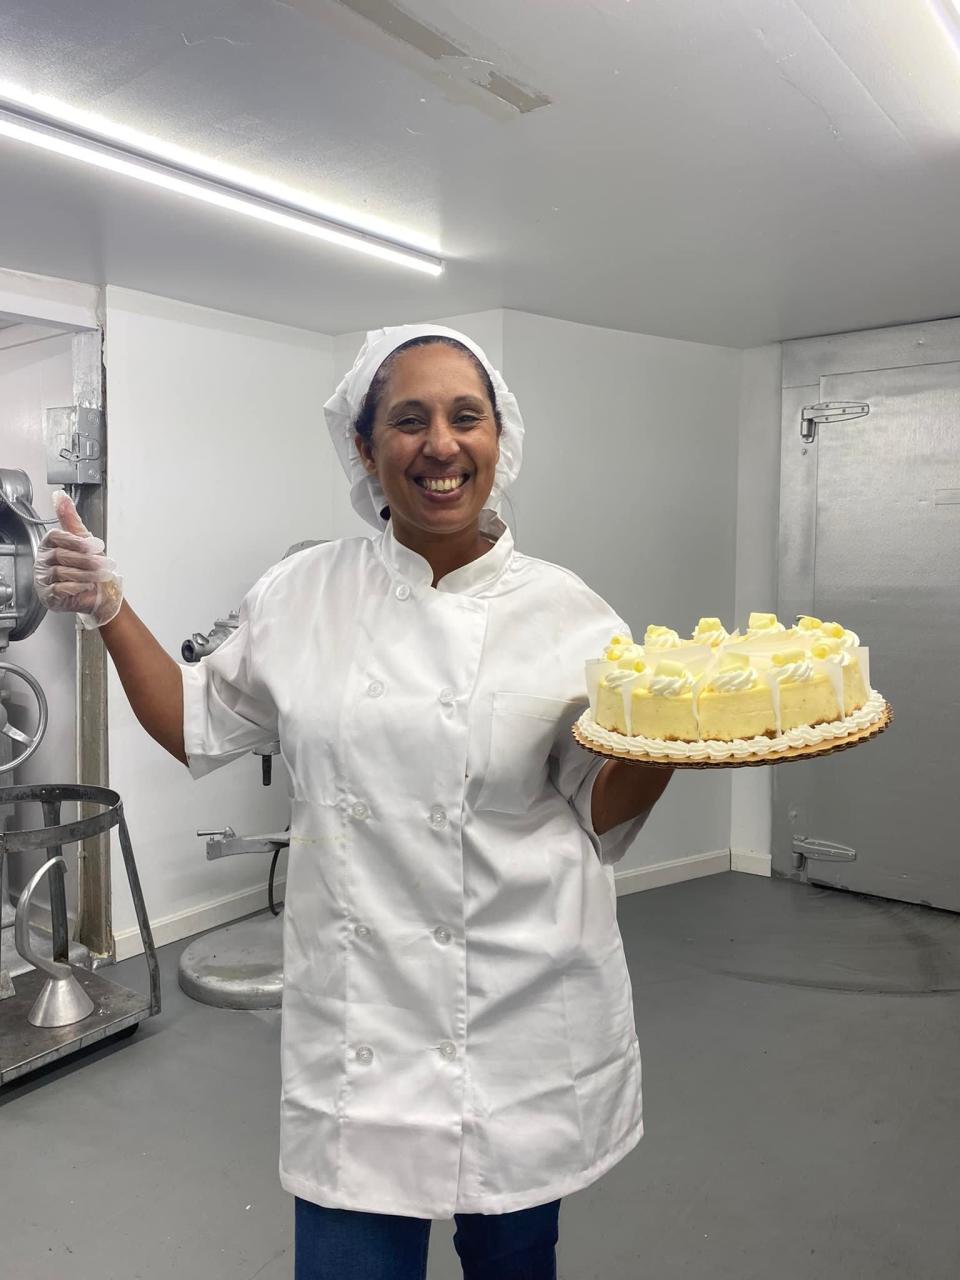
{"x": 731, "y": 173}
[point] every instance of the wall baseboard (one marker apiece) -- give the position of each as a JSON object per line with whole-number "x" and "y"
{"x": 755, "y": 864}
{"x": 183, "y": 924}
{"x": 677, "y": 870}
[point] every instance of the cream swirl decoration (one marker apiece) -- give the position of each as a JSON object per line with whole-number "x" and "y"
{"x": 734, "y": 681}
{"x": 710, "y": 637}
{"x": 671, "y": 686}
{"x": 661, "y": 638}
{"x": 794, "y": 672}
{"x": 621, "y": 676}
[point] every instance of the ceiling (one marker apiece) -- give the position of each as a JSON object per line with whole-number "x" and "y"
{"x": 732, "y": 172}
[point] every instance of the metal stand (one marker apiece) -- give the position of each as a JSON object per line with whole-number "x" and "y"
{"x": 25, "y": 1047}
{"x": 241, "y": 965}
{"x": 237, "y": 967}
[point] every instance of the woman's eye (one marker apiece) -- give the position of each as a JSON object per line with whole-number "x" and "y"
{"x": 408, "y": 424}
{"x": 467, "y": 419}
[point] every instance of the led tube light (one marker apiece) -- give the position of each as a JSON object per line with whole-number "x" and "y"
{"x": 24, "y": 126}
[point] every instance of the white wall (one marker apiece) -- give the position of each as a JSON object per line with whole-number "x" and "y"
{"x": 758, "y": 515}
{"x": 630, "y": 479}
{"x": 218, "y": 462}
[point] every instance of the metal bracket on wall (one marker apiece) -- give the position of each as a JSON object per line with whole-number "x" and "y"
{"x": 74, "y": 436}
{"x": 820, "y": 850}
{"x": 830, "y": 411}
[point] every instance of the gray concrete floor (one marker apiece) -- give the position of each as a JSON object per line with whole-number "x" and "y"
{"x": 801, "y": 1096}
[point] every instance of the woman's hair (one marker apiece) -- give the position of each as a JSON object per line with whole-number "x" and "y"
{"x": 368, "y": 409}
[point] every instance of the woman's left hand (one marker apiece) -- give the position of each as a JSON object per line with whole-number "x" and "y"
{"x": 626, "y": 789}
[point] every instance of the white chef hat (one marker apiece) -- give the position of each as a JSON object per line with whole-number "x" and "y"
{"x": 342, "y": 408}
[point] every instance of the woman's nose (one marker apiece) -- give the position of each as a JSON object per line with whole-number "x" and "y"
{"x": 441, "y": 442}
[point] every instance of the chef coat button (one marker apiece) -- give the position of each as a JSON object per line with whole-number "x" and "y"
{"x": 446, "y": 697}
{"x": 375, "y": 688}
{"x": 364, "y": 1054}
{"x": 442, "y": 935}
{"x": 360, "y": 811}
{"x": 362, "y": 931}
{"x": 438, "y": 817}
{"x": 448, "y": 1049}
{"x": 402, "y": 592}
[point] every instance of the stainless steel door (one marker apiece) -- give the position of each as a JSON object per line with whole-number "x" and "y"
{"x": 882, "y": 539}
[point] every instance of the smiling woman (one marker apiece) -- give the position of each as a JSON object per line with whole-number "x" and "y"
{"x": 458, "y": 1031}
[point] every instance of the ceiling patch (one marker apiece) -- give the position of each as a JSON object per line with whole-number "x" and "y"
{"x": 458, "y": 63}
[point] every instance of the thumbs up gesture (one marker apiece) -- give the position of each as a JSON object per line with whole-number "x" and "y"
{"x": 71, "y": 572}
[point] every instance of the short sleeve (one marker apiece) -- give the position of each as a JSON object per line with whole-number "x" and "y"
{"x": 228, "y": 709}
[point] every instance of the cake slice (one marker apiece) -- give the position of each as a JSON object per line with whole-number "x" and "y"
{"x": 736, "y": 703}
{"x": 806, "y": 698}
{"x": 611, "y": 713}
{"x": 854, "y": 690}
{"x": 664, "y": 707}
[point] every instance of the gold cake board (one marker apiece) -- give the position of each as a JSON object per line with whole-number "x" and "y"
{"x": 780, "y": 757}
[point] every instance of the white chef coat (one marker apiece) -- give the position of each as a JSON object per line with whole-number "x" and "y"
{"x": 458, "y": 1030}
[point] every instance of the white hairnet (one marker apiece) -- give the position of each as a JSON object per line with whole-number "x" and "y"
{"x": 342, "y": 408}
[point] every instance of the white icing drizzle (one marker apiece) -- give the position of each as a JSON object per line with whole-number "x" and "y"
{"x": 740, "y": 748}
{"x": 734, "y": 680}
{"x": 850, "y": 640}
{"x": 671, "y": 686}
{"x": 794, "y": 672}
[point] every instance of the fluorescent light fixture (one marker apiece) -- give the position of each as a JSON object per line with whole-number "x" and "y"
{"x": 115, "y": 150}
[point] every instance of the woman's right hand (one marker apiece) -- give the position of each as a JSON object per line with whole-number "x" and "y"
{"x": 71, "y": 572}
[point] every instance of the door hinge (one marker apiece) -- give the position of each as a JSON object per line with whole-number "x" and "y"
{"x": 829, "y": 411}
{"x": 74, "y": 436}
{"x": 820, "y": 850}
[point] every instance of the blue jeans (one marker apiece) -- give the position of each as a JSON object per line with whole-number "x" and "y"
{"x": 344, "y": 1244}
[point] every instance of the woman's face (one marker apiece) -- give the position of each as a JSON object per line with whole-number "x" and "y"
{"x": 435, "y": 445}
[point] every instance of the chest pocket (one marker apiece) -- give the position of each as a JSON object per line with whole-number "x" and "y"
{"x": 523, "y": 728}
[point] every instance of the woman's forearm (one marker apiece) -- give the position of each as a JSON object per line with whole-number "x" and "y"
{"x": 150, "y": 678}
{"x": 625, "y": 790}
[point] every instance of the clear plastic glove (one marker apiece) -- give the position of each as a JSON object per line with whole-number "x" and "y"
{"x": 71, "y": 572}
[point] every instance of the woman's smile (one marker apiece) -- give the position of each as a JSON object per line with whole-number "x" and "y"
{"x": 444, "y": 488}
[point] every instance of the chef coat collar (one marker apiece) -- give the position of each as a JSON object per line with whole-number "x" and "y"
{"x": 409, "y": 566}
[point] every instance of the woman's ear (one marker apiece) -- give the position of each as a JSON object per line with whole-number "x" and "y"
{"x": 366, "y": 453}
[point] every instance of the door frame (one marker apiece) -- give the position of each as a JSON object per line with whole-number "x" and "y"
{"x": 77, "y": 308}
{"x": 805, "y": 362}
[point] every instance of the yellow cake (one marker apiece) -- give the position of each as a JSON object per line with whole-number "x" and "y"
{"x": 717, "y": 687}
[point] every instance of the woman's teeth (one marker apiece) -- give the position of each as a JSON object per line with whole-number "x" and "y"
{"x": 446, "y": 485}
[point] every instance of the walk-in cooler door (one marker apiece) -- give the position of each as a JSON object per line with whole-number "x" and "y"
{"x": 871, "y": 538}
